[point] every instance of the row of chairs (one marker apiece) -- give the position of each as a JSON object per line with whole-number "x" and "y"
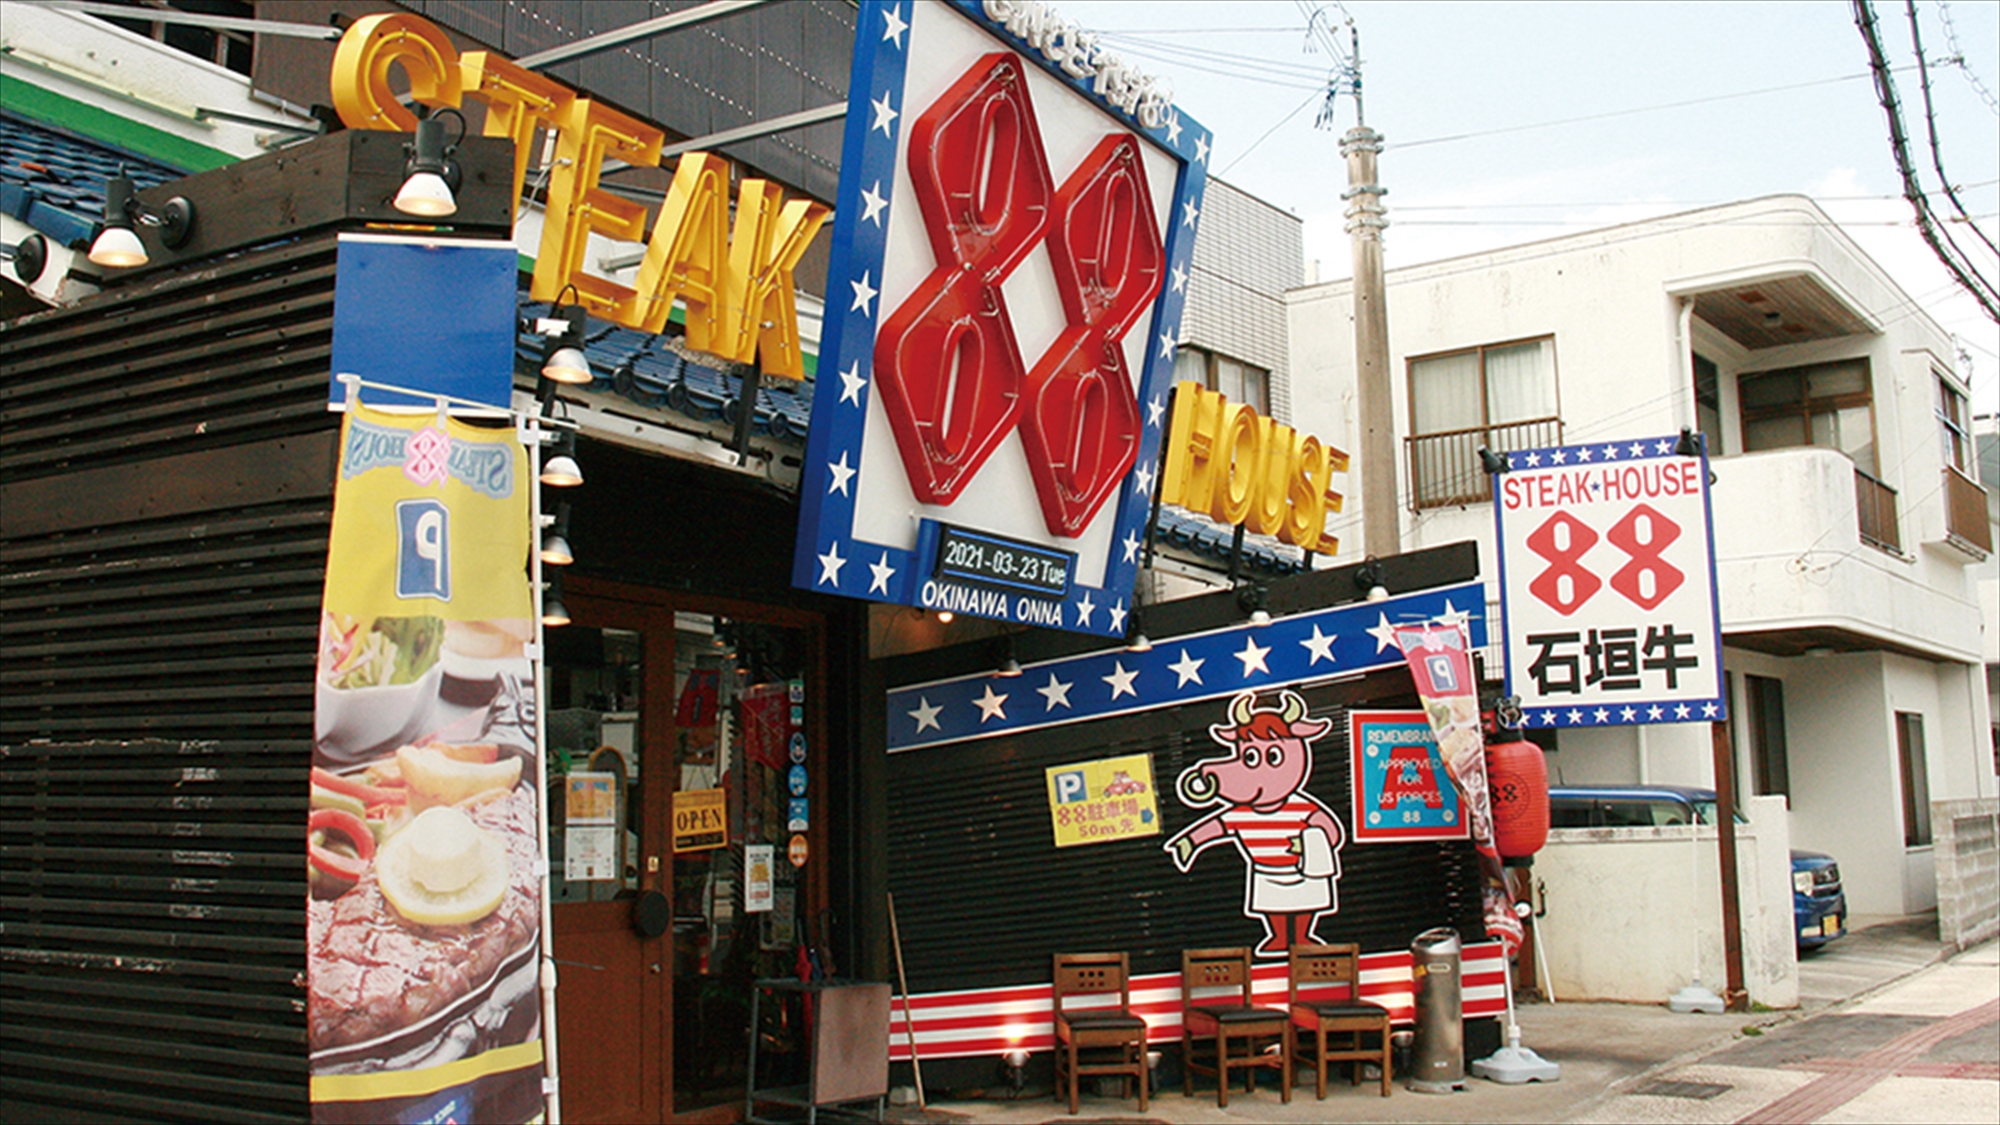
{"x": 1222, "y": 1030}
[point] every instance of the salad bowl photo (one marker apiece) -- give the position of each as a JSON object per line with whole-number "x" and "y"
{"x": 377, "y": 686}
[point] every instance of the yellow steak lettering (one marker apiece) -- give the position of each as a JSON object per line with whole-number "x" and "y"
{"x": 735, "y": 284}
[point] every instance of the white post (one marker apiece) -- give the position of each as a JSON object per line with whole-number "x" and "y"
{"x": 532, "y": 434}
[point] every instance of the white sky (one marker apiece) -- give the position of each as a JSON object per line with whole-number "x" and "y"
{"x": 1786, "y": 107}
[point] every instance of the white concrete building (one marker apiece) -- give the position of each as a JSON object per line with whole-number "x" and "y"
{"x": 1849, "y": 523}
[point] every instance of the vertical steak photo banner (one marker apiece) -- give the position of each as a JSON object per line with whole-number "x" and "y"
{"x": 424, "y": 909}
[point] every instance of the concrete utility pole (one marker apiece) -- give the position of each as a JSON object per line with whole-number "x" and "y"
{"x": 1381, "y": 523}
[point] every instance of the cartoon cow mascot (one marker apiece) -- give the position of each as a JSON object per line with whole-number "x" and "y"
{"x": 1289, "y": 840}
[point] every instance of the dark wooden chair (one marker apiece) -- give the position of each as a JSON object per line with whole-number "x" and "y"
{"x": 1330, "y": 1021}
{"x": 1092, "y": 1036}
{"x": 1222, "y": 1030}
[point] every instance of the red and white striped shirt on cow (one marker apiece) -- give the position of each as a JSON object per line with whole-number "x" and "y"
{"x": 1268, "y": 836}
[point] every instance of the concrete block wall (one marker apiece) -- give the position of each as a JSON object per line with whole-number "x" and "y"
{"x": 1966, "y": 850}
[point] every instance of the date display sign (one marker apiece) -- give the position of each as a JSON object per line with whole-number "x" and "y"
{"x": 990, "y": 560}
{"x": 1607, "y": 585}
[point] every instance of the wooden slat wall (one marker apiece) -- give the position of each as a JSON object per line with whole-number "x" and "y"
{"x": 166, "y": 468}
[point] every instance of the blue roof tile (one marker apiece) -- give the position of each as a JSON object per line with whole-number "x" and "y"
{"x": 54, "y": 181}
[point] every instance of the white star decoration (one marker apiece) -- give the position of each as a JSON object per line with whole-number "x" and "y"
{"x": 1189, "y": 213}
{"x": 1166, "y": 346}
{"x": 1638, "y": 450}
{"x": 830, "y": 564}
{"x": 1121, "y": 680}
{"x": 851, "y": 383}
{"x": 1253, "y": 657}
{"x": 872, "y": 203}
{"x": 1187, "y": 668}
{"x": 1084, "y": 609}
{"x": 1383, "y": 632}
{"x": 926, "y": 715}
{"x": 1557, "y": 456}
{"x": 1117, "y": 615}
{"x": 1056, "y": 693}
{"x": 841, "y": 475}
{"x": 1453, "y": 617}
{"x": 882, "y": 572}
{"x": 892, "y": 31}
{"x": 864, "y": 295}
{"x": 1180, "y": 279}
{"x": 1142, "y": 480}
{"x": 1583, "y": 453}
{"x": 1173, "y": 128}
{"x": 1534, "y": 459}
{"x": 1156, "y": 411}
{"x": 1201, "y": 149}
{"x": 1663, "y": 446}
{"x": 1131, "y": 545}
{"x": 884, "y": 115}
{"x": 991, "y": 705}
{"x": 1320, "y": 645}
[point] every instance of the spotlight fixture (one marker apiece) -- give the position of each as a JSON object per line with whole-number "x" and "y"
{"x": 555, "y": 540}
{"x": 431, "y": 175}
{"x": 561, "y": 469}
{"x": 945, "y": 616}
{"x": 554, "y": 613}
{"x": 562, "y": 334}
{"x": 1016, "y": 1061}
{"x": 1254, "y": 599}
{"x": 1010, "y": 664}
{"x": 117, "y": 245}
{"x": 1369, "y": 581}
{"x": 1140, "y": 642}
{"x": 30, "y": 257}
{"x": 1492, "y": 462}
{"x": 1688, "y": 445}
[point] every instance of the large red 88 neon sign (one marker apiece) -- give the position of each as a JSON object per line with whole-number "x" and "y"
{"x": 952, "y": 379}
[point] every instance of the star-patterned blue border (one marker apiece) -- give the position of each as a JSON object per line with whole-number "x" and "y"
{"x": 828, "y": 557}
{"x": 1324, "y": 644}
{"x": 1601, "y": 713}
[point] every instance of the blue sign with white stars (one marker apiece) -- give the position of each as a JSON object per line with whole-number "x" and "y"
{"x": 945, "y": 406}
{"x": 1300, "y": 649}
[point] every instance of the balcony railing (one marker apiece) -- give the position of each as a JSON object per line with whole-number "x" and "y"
{"x": 1875, "y": 510}
{"x": 1965, "y": 511}
{"x": 1445, "y": 469}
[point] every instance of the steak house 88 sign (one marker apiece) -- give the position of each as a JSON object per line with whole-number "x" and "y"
{"x": 1011, "y": 246}
{"x": 1607, "y": 580}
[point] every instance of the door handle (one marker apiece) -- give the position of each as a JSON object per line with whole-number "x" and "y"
{"x": 655, "y": 967}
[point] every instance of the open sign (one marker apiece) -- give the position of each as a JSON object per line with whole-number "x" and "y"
{"x": 701, "y": 820}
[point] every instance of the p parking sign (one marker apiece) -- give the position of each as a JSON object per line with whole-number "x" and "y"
{"x": 1607, "y": 585}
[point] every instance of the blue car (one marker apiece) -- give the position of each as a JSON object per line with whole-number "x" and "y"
{"x": 1819, "y": 910}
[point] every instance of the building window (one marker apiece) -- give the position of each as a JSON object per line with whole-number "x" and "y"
{"x": 1501, "y": 396}
{"x": 1235, "y": 380}
{"x": 1827, "y": 405}
{"x": 223, "y": 47}
{"x": 1769, "y": 765}
{"x": 1708, "y": 403}
{"x": 1954, "y": 427}
{"x": 1916, "y": 780}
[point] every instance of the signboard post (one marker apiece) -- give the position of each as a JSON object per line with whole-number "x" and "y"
{"x": 1607, "y": 585}
{"x": 1011, "y": 250}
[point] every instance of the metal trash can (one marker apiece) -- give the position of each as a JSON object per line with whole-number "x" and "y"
{"x": 1437, "y": 1058}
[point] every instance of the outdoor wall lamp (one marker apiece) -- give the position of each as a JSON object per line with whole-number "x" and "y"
{"x": 554, "y": 613}
{"x": 430, "y": 174}
{"x": 1492, "y": 462}
{"x": 561, "y": 469}
{"x": 1369, "y": 580}
{"x": 1010, "y": 664}
{"x": 117, "y": 245}
{"x": 30, "y": 257}
{"x": 562, "y": 341}
{"x": 555, "y": 539}
{"x": 1688, "y": 445}
{"x": 1254, "y": 599}
{"x": 1017, "y": 1078}
{"x": 1140, "y": 642}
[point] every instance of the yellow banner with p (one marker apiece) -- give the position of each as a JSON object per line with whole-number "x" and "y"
{"x": 1108, "y": 799}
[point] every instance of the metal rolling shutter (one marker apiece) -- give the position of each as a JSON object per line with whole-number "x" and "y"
{"x": 166, "y": 463}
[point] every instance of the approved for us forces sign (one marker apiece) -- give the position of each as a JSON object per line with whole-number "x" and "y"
{"x": 1607, "y": 585}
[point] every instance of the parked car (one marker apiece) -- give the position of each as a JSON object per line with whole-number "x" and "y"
{"x": 1819, "y": 909}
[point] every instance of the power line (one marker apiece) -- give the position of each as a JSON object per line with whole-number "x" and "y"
{"x": 1630, "y": 112}
{"x": 1930, "y": 123}
{"x": 1899, "y": 145}
{"x": 1958, "y": 59}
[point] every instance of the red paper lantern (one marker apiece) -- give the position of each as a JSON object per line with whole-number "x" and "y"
{"x": 1518, "y": 779}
